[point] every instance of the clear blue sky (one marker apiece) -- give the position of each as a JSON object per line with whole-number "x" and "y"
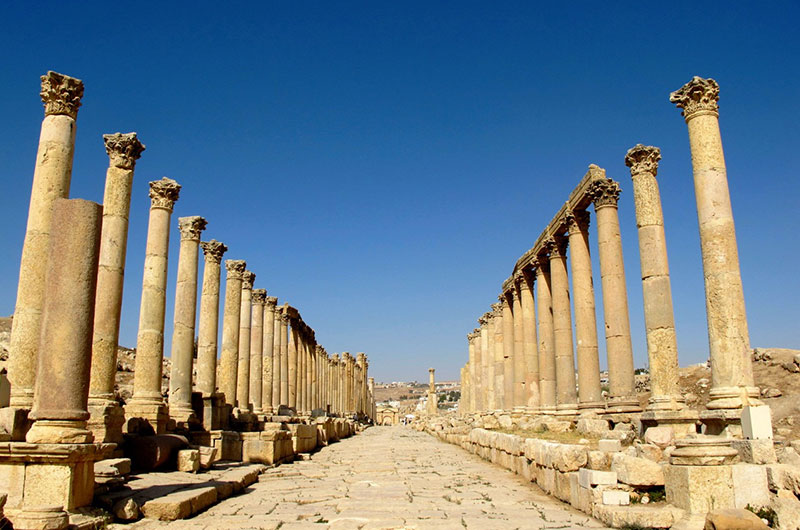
{"x": 381, "y": 165}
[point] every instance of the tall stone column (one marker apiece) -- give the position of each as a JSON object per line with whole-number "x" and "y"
{"x": 335, "y": 383}
{"x": 472, "y": 339}
{"x": 477, "y": 381}
{"x": 487, "y": 365}
{"x": 732, "y": 384}
{"x": 257, "y": 350}
{"x": 52, "y": 173}
{"x": 208, "y": 324}
{"x": 63, "y": 365}
{"x": 285, "y": 355}
{"x": 547, "y": 352}
{"x": 622, "y": 396}
{"x": 508, "y": 352}
{"x": 566, "y": 396}
{"x": 293, "y": 340}
{"x": 180, "y": 382}
{"x": 147, "y": 402}
{"x": 276, "y": 361}
{"x": 520, "y": 370}
{"x": 433, "y": 399}
{"x": 106, "y": 414}
{"x": 229, "y": 358}
{"x": 590, "y": 397}
{"x": 243, "y": 357}
{"x": 529, "y": 342}
{"x": 371, "y": 389}
{"x": 268, "y": 345}
{"x": 497, "y": 351}
{"x": 659, "y": 320}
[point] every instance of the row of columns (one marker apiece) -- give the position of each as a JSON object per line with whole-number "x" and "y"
{"x": 262, "y": 365}
{"x": 522, "y": 356}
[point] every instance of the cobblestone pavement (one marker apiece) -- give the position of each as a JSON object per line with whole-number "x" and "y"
{"x": 387, "y": 477}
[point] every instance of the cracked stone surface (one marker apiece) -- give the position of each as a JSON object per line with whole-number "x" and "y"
{"x": 387, "y": 477}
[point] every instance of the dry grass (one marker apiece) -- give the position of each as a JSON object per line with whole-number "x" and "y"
{"x": 569, "y": 437}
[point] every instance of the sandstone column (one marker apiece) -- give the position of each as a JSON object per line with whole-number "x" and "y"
{"x": 229, "y": 357}
{"x": 293, "y": 340}
{"x": 147, "y": 402}
{"x": 622, "y": 397}
{"x": 276, "y": 361}
{"x": 662, "y": 346}
{"x": 520, "y": 370}
{"x": 472, "y": 339}
{"x": 106, "y": 415}
{"x": 180, "y": 382}
{"x": 268, "y": 345}
{"x": 567, "y": 399}
{"x": 64, "y": 361}
{"x": 547, "y": 352}
{"x": 499, "y": 367}
{"x": 732, "y": 384}
{"x": 508, "y": 352}
{"x": 529, "y": 342}
{"x": 477, "y": 383}
{"x": 61, "y": 96}
{"x": 335, "y": 383}
{"x": 257, "y": 350}
{"x": 487, "y": 364}
{"x": 433, "y": 400}
{"x": 285, "y": 355}
{"x": 245, "y": 324}
{"x": 208, "y": 325}
{"x": 590, "y": 397}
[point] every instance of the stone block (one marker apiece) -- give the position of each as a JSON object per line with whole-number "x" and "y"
{"x": 750, "y": 485}
{"x": 758, "y": 451}
{"x": 592, "y": 426}
{"x": 598, "y": 460}
{"x": 557, "y": 426}
{"x": 757, "y": 423}
{"x": 208, "y": 455}
{"x": 563, "y": 488}
{"x": 650, "y": 452}
{"x": 590, "y": 477}
{"x": 548, "y": 483}
{"x": 568, "y": 457}
{"x": 662, "y": 436}
{"x": 112, "y": 467}
{"x": 782, "y": 476}
{"x": 581, "y": 498}
{"x": 189, "y": 460}
{"x": 637, "y": 516}
{"x": 637, "y": 471}
{"x": 699, "y": 489}
{"x": 731, "y": 518}
{"x": 609, "y": 446}
{"x": 616, "y": 497}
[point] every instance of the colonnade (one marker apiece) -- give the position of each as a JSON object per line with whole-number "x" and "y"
{"x": 522, "y": 357}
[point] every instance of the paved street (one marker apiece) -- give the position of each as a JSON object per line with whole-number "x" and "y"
{"x": 387, "y": 477}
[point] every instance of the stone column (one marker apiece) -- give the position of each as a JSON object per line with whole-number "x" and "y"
{"x": 276, "y": 361}
{"x": 566, "y": 396}
{"x": 477, "y": 377}
{"x": 268, "y": 345}
{"x": 497, "y": 352}
{"x": 302, "y": 356}
{"x": 732, "y": 384}
{"x": 229, "y": 358}
{"x": 180, "y": 382}
{"x": 208, "y": 325}
{"x": 371, "y": 389}
{"x": 293, "y": 340}
{"x": 487, "y": 365}
{"x": 547, "y": 352}
{"x": 508, "y": 351}
{"x": 590, "y": 397}
{"x": 518, "y": 357}
{"x": 529, "y": 342}
{"x": 257, "y": 350}
{"x": 243, "y": 357}
{"x": 433, "y": 400}
{"x": 472, "y": 339}
{"x": 335, "y": 383}
{"x": 106, "y": 414}
{"x": 622, "y": 396}
{"x": 284, "y": 335}
{"x": 147, "y": 402}
{"x": 63, "y": 365}
{"x": 662, "y": 345}
{"x": 61, "y": 96}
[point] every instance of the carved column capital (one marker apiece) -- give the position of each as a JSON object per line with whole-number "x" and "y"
{"x": 284, "y": 317}
{"x": 259, "y": 296}
{"x": 643, "y": 159}
{"x": 190, "y": 227}
{"x": 164, "y": 193}
{"x": 697, "y": 97}
{"x": 123, "y": 149}
{"x": 248, "y": 279}
{"x": 483, "y": 319}
{"x": 605, "y": 193}
{"x": 577, "y": 221}
{"x": 61, "y": 94}
{"x": 272, "y": 301}
{"x": 557, "y": 247}
{"x": 235, "y": 268}
{"x": 213, "y": 250}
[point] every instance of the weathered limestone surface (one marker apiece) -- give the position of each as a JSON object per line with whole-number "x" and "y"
{"x": 245, "y": 323}
{"x": 567, "y": 399}
{"x": 230, "y": 329}
{"x": 268, "y": 347}
{"x": 208, "y": 325}
{"x": 547, "y": 359}
{"x": 256, "y": 349}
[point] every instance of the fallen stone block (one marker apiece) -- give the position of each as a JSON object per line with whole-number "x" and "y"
{"x": 616, "y": 497}
{"x": 590, "y": 477}
{"x": 637, "y": 471}
{"x": 733, "y": 519}
{"x": 592, "y": 426}
{"x": 189, "y": 460}
{"x": 662, "y": 436}
{"x": 750, "y": 486}
{"x": 647, "y": 516}
{"x": 609, "y": 446}
{"x": 755, "y": 451}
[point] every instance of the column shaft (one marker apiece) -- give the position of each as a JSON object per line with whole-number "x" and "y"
{"x": 230, "y": 329}
{"x": 284, "y": 335}
{"x": 208, "y": 324}
{"x": 257, "y": 350}
{"x": 562, "y": 330}
{"x": 520, "y": 370}
{"x": 243, "y": 355}
{"x": 268, "y": 344}
{"x": 547, "y": 352}
{"x": 529, "y": 343}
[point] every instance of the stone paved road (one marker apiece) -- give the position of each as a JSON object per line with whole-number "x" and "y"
{"x": 387, "y": 477}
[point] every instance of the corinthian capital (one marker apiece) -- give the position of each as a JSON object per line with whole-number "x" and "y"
{"x": 272, "y": 301}
{"x": 235, "y": 268}
{"x": 577, "y": 221}
{"x": 605, "y": 193}
{"x": 164, "y": 193}
{"x": 556, "y": 246}
{"x": 190, "y": 227}
{"x": 123, "y": 149}
{"x": 248, "y": 279}
{"x": 259, "y": 296}
{"x": 61, "y": 94}
{"x": 643, "y": 159}
{"x": 697, "y": 97}
{"x": 213, "y": 250}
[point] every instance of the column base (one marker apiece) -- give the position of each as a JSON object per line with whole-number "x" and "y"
{"x": 591, "y": 408}
{"x": 733, "y": 397}
{"x": 665, "y": 403}
{"x": 143, "y": 415}
{"x": 567, "y": 409}
{"x": 682, "y": 422}
{"x": 41, "y": 517}
{"x": 21, "y": 399}
{"x": 47, "y": 431}
{"x": 106, "y": 419}
{"x": 623, "y": 404}
{"x": 547, "y": 410}
{"x": 182, "y": 414}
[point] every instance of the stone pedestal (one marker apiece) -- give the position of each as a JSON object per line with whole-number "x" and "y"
{"x": 682, "y": 422}
{"x": 699, "y": 476}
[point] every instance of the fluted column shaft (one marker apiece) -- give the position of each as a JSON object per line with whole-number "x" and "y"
{"x": 257, "y": 350}
{"x": 231, "y": 316}
{"x": 52, "y": 173}
{"x": 590, "y": 397}
{"x": 732, "y": 384}
{"x": 566, "y": 395}
{"x": 208, "y": 324}
{"x": 547, "y": 352}
{"x": 529, "y": 343}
